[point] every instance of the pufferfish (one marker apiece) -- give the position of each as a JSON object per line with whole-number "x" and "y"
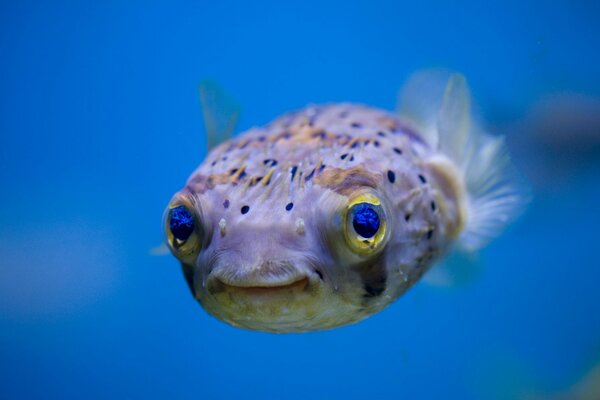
{"x": 328, "y": 214}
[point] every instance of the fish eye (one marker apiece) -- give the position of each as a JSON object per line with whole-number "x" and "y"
{"x": 183, "y": 231}
{"x": 366, "y": 224}
{"x": 181, "y": 223}
{"x": 365, "y": 220}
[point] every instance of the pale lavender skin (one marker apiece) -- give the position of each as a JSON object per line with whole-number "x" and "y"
{"x": 249, "y": 266}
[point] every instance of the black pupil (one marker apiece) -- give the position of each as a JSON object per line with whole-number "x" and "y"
{"x": 181, "y": 223}
{"x": 366, "y": 220}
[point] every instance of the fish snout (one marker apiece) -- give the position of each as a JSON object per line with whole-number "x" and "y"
{"x": 265, "y": 276}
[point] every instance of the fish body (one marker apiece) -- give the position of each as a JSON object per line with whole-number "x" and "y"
{"x": 326, "y": 215}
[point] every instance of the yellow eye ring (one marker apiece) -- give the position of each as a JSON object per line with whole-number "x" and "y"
{"x": 183, "y": 229}
{"x": 365, "y": 224}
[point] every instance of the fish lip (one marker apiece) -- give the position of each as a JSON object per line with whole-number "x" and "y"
{"x": 258, "y": 280}
{"x": 219, "y": 280}
{"x": 270, "y": 287}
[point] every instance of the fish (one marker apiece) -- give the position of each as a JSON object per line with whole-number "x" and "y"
{"x": 328, "y": 214}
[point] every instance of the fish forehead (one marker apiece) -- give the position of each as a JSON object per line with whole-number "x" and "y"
{"x": 318, "y": 142}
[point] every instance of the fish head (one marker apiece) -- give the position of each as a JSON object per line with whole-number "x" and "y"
{"x": 271, "y": 264}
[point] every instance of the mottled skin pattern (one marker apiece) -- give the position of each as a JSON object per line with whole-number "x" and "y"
{"x": 273, "y": 256}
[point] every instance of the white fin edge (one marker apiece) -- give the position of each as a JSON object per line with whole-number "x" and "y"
{"x": 489, "y": 191}
{"x": 496, "y": 193}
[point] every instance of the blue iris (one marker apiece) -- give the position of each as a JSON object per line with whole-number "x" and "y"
{"x": 181, "y": 222}
{"x": 366, "y": 220}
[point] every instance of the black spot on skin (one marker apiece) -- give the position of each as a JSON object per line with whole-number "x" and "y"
{"x": 422, "y": 179}
{"x": 242, "y": 174}
{"x": 319, "y": 273}
{"x": 322, "y": 167}
{"x": 354, "y": 145}
{"x": 355, "y": 125}
{"x": 374, "y": 279}
{"x": 407, "y": 217}
{"x": 433, "y": 207}
{"x": 429, "y": 233}
{"x": 382, "y": 134}
{"x": 233, "y": 171}
{"x": 351, "y": 158}
{"x": 270, "y": 162}
{"x": 376, "y": 143}
{"x": 309, "y": 176}
{"x": 373, "y": 291}
{"x": 320, "y": 135}
{"x": 397, "y": 150}
{"x": 391, "y": 176}
{"x": 294, "y": 170}
{"x": 213, "y": 163}
{"x": 343, "y": 156}
{"x": 226, "y": 203}
{"x": 289, "y": 206}
{"x": 245, "y": 209}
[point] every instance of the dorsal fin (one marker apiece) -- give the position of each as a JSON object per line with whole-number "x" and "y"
{"x": 454, "y": 118}
{"x": 420, "y": 101}
{"x": 220, "y": 112}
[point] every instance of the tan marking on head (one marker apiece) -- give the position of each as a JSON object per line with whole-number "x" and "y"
{"x": 319, "y": 164}
{"x": 451, "y": 197}
{"x": 267, "y": 178}
{"x": 243, "y": 143}
{"x": 239, "y": 172}
{"x": 389, "y": 122}
{"x": 345, "y": 181}
{"x": 354, "y": 140}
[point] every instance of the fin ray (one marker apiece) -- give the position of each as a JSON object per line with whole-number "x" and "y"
{"x": 438, "y": 103}
{"x": 220, "y": 112}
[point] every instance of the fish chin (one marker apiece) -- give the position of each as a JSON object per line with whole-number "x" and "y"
{"x": 305, "y": 304}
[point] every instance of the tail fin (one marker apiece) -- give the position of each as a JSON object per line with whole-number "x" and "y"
{"x": 439, "y": 104}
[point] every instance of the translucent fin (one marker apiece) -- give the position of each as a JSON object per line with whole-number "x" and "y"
{"x": 454, "y": 119}
{"x": 420, "y": 101}
{"x": 220, "y": 112}
{"x": 476, "y": 165}
{"x": 160, "y": 250}
{"x": 456, "y": 270}
{"x": 496, "y": 193}
{"x": 587, "y": 388}
{"x": 508, "y": 376}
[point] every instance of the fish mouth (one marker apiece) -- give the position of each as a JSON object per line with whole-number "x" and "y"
{"x": 286, "y": 299}
{"x": 266, "y": 278}
{"x": 298, "y": 285}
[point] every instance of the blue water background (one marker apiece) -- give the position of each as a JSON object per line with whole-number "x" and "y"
{"x": 100, "y": 124}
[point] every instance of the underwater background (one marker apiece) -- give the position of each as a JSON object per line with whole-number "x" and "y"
{"x": 100, "y": 124}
